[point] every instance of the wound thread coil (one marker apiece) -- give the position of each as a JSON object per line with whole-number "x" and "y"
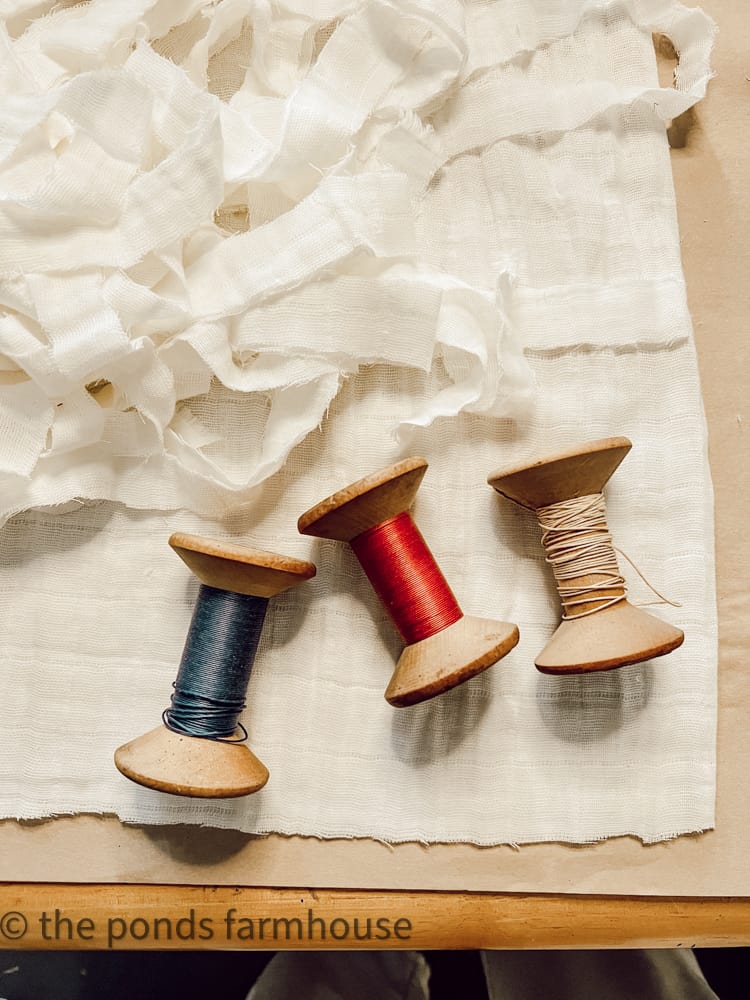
{"x": 209, "y": 692}
{"x": 406, "y": 578}
{"x": 579, "y": 548}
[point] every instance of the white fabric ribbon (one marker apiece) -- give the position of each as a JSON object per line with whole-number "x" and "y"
{"x": 228, "y": 195}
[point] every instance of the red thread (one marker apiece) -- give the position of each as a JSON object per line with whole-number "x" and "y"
{"x": 406, "y": 578}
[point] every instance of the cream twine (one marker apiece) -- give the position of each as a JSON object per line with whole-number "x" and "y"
{"x": 577, "y": 543}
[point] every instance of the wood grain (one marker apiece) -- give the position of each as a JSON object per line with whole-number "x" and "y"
{"x": 573, "y": 472}
{"x": 186, "y": 765}
{"x": 371, "y": 500}
{"x": 238, "y": 568}
{"x": 197, "y": 917}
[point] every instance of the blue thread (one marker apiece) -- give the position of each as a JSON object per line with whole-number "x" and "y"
{"x": 215, "y": 669}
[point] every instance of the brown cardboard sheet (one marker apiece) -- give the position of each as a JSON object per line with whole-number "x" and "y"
{"x": 711, "y": 174}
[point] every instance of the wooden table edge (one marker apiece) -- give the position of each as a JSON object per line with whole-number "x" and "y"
{"x": 67, "y": 916}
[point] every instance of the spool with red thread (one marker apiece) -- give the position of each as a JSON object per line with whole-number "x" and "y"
{"x": 406, "y": 578}
{"x": 444, "y": 647}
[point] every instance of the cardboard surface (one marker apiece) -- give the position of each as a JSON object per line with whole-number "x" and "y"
{"x": 711, "y": 175}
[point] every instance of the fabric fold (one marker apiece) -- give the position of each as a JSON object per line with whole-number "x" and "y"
{"x": 169, "y": 218}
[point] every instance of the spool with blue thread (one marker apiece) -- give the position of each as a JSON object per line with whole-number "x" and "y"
{"x": 200, "y": 750}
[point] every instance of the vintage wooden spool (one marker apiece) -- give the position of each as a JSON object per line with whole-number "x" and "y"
{"x": 202, "y": 767}
{"x": 452, "y": 654}
{"x": 602, "y": 638}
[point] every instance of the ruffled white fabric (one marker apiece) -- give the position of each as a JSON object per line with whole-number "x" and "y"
{"x": 204, "y": 191}
{"x": 225, "y": 226}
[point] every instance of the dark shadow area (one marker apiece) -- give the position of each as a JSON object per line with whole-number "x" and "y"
{"x": 681, "y": 128}
{"x": 456, "y": 974}
{"x": 727, "y": 971}
{"x": 339, "y": 571}
{"x": 127, "y": 975}
{"x": 586, "y": 707}
{"x": 195, "y": 975}
{"x": 63, "y": 527}
{"x": 197, "y": 845}
{"x": 423, "y": 733}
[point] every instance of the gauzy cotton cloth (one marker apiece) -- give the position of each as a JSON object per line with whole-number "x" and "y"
{"x": 272, "y": 251}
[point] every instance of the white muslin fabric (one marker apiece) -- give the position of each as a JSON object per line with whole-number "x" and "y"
{"x": 252, "y": 252}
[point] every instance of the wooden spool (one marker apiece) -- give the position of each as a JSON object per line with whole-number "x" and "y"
{"x": 609, "y": 637}
{"x": 442, "y": 661}
{"x": 190, "y": 765}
